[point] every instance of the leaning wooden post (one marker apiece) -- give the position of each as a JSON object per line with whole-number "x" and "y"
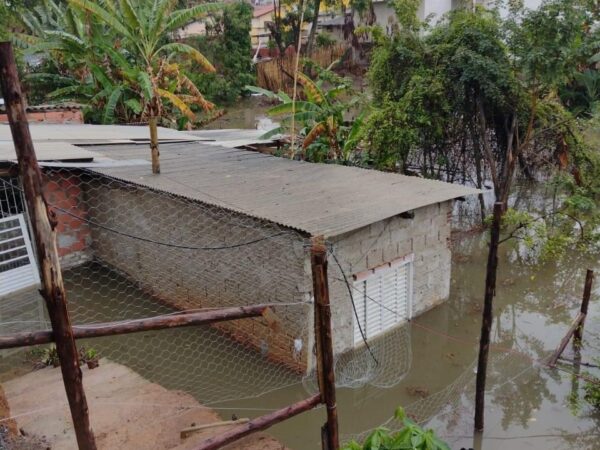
{"x": 486, "y": 323}
{"x": 324, "y": 342}
{"x": 43, "y": 223}
{"x": 576, "y": 328}
{"x": 587, "y": 293}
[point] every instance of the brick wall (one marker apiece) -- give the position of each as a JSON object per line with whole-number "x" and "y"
{"x": 51, "y": 116}
{"x": 426, "y": 237}
{"x": 63, "y": 192}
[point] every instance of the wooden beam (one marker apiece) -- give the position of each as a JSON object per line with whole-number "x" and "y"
{"x": 324, "y": 341}
{"x": 205, "y": 426}
{"x": 260, "y": 423}
{"x": 136, "y": 325}
{"x": 43, "y": 224}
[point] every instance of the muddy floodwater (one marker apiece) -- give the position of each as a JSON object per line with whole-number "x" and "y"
{"x": 248, "y": 113}
{"x": 528, "y": 406}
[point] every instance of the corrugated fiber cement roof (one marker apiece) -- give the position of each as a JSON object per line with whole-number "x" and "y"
{"x": 320, "y": 199}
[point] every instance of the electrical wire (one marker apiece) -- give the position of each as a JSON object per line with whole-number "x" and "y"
{"x": 152, "y": 241}
{"x": 362, "y": 333}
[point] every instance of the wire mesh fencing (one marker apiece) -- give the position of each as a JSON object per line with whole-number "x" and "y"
{"x": 455, "y": 401}
{"x": 129, "y": 252}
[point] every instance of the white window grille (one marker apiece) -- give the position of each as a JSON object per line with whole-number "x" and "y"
{"x": 382, "y": 298}
{"x": 11, "y": 198}
{"x": 18, "y": 269}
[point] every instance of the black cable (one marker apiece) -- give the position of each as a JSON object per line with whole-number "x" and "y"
{"x": 362, "y": 334}
{"x": 166, "y": 244}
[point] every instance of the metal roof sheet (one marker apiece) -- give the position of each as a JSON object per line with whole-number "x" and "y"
{"x": 84, "y": 133}
{"x": 234, "y": 137}
{"x": 48, "y": 151}
{"x": 319, "y": 199}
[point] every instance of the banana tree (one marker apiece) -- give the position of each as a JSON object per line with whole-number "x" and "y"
{"x": 144, "y": 27}
{"x": 321, "y": 114}
{"x": 121, "y": 56}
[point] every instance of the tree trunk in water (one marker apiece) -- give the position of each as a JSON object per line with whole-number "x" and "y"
{"x": 313, "y": 28}
{"x": 479, "y": 173}
{"x": 154, "y": 145}
{"x": 486, "y": 324}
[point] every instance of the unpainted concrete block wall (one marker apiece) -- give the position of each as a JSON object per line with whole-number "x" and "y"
{"x": 268, "y": 271}
{"x": 426, "y": 237}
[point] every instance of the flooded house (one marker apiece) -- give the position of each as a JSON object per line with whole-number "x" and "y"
{"x": 222, "y": 226}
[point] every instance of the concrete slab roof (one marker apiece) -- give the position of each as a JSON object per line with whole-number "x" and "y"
{"x": 319, "y": 199}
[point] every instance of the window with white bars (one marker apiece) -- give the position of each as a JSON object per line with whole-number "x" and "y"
{"x": 382, "y": 298}
{"x": 18, "y": 268}
{"x": 11, "y": 198}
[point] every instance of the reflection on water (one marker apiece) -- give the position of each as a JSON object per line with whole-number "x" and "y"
{"x": 528, "y": 405}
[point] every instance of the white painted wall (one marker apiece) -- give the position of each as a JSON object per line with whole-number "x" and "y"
{"x": 437, "y": 8}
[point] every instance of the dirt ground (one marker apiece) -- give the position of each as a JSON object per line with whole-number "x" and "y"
{"x": 126, "y": 412}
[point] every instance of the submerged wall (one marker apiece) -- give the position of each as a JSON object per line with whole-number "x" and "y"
{"x": 425, "y": 237}
{"x": 214, "y": 258}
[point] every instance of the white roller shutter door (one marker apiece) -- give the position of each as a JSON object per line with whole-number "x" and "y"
{"x": 382, "y": 300}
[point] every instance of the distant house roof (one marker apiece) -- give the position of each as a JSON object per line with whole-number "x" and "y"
{"x": 234, "y": 137}
{"x": 68, "y": 106}
{"x": 260, "y": 11}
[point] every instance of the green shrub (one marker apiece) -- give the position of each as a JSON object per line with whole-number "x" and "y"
{"x": 229, "y": 47}
{"x": 410, "y": 437}
{"x": 325, "y": 40}
{"x": 591, "y": 391}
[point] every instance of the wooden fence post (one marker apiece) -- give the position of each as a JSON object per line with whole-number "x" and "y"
{"x": 486, "y": 323}
{"x": 324, "y": 341}
{"x": 587, "y": 293}
{"x": 43, "y": 223}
